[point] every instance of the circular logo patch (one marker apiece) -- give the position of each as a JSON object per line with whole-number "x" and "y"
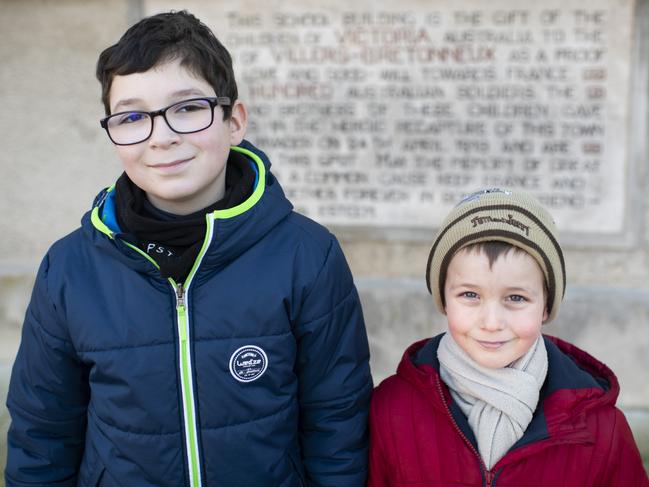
{"x": 248, "y": 363}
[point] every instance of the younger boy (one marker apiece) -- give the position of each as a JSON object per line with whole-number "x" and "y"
{"x": 493, "y": 402}
{"x": 194, "y": 331}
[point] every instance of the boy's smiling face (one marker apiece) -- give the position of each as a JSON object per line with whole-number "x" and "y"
{"x": 180, "y": 173}
{"x": 494, "y": 313}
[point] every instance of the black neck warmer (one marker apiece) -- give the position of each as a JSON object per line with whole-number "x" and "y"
{"x": 174, "y": 241}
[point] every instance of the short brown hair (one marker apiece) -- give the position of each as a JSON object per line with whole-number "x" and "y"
{"x": 165, "y": 37}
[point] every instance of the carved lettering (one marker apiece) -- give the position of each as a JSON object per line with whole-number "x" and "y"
{"x": 376, "y": 117}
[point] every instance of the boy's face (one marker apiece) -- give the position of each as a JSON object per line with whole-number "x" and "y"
{"x": 494, "y": 314}
{"x": 180, "y": 173}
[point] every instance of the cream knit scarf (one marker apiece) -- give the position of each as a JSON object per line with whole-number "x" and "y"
{"x": 499, "y": 403}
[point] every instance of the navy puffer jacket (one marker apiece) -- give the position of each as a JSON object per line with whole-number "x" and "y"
{"x": 254, "y": 372}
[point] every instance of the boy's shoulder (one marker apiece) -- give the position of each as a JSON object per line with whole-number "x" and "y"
{"x": 313, "y": 246}
{"x": 412, "y": 381}
{"x": 68, "y": 247}
{"x": 391, "y": 398}
{"x": 308, "y": 232}
{"x": 81, "y": 250}
{"x": 576, "y": 377}
{"x": 573, "y": 367}
{"x": 316, "y": 253}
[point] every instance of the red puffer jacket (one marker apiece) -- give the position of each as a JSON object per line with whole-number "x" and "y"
{"x": 577, "y": 437}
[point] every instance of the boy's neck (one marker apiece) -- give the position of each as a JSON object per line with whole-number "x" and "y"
{"x": 191, "y": 204}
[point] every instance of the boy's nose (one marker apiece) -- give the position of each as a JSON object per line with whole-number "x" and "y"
{"x": 162, "y": 135}
{"x": 493, "y": 318}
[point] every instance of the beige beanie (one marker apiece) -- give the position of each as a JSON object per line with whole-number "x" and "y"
{"x": 507, "y": 216}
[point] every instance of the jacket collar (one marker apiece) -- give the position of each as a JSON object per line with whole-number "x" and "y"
{"x": 234, "y": 230}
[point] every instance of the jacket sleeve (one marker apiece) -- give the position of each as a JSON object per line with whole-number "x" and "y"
{"x": 47, "y": 399}
{"x": 624, "y": 465}
{"x": 334, "y": 378}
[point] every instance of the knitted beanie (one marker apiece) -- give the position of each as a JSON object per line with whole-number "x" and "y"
{"x": 507, "y": 216}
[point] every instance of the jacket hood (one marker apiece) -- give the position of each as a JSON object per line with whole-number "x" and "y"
{"x": 234, "y": 230}
{"x": 576, "y": 383}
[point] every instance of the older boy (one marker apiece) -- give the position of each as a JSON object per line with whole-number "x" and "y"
{"x": 493, "y": 402}
{"x": 194, "y": 331}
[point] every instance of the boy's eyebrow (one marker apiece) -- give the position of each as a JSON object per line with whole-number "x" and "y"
{"x": 187, "y": 92}
{"x": 508, "y": 289}
{"x": 125, "y": 103}
{"x": 175, "y": 95}
{"x": 463, "y": 284}
{"x": 522, "y": 289}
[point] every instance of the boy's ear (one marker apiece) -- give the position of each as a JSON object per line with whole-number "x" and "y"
{"x": 238, "y": 122}
{"x": 545, "y": 315}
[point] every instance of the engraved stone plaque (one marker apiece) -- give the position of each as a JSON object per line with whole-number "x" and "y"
{"x": 384, "y": 114}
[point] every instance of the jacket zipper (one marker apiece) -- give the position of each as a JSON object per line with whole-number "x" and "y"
{"x": 489, "y": 476}
{"x": 189, "y": 409}
{"x": 184, "y": 357}
{"x": 185, "y": 361}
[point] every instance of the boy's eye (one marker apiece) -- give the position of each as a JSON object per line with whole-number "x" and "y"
{"x": 191, "y": 106}
{"x": 517, "y": 298}
{"x": 469, "y": 294}
{"x": 132, "y": 117}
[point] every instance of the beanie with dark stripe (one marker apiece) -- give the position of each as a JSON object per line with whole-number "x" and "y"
{"x": 516, "y": 218}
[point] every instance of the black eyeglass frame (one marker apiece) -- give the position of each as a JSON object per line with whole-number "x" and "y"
{"x": 213, "y": 102}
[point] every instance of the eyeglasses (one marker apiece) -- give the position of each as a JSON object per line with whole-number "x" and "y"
{"x": 184, "y": 117}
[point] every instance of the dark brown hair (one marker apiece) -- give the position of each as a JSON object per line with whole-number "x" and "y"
{"x": 493, "y": 249}
{"x": 165, "y": 37}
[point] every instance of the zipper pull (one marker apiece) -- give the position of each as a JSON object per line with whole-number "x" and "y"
{"x": 489, "y": 478}
{"x": 180, "y": 297}
{"x": 180, "y": 308}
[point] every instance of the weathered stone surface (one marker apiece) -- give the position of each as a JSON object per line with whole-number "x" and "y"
{"x": 639, "y": 422}
{"x": 55, "y": 157}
